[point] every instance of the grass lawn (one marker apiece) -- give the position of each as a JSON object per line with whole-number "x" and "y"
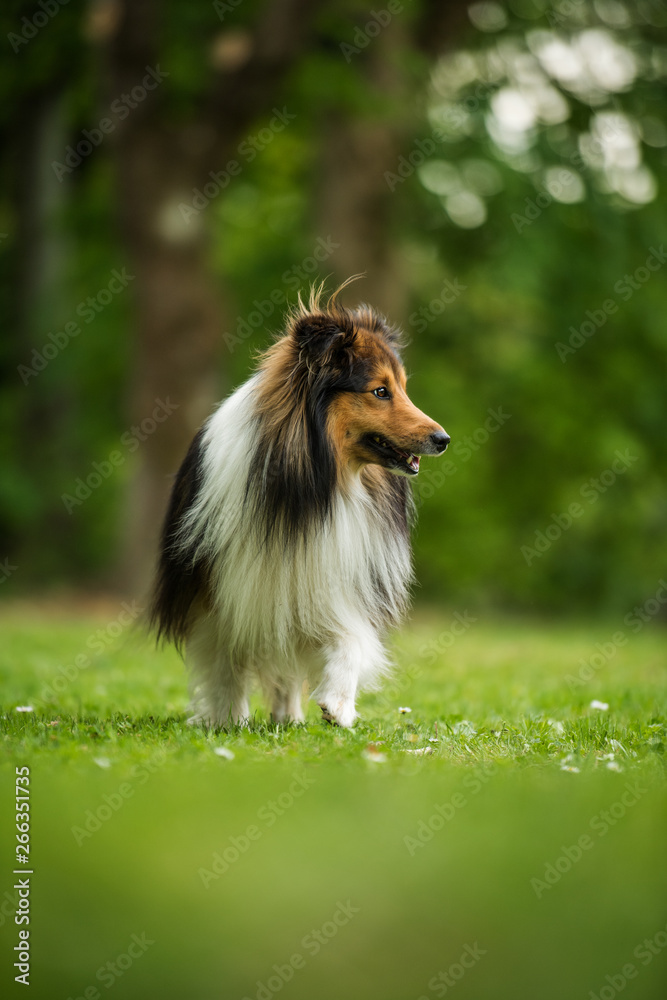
{"x": 502, "y": 839}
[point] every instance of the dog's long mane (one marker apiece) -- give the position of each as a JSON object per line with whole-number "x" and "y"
{"x": 295, "y": 469}
{"x": 261, "y": 508}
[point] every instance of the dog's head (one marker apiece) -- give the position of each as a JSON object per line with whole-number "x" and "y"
{"x": 351, "y": 363}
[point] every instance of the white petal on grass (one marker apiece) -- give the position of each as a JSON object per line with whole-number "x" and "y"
{"x": 224, "y": 752}
{"x": 602, "y": 706}
{"x": 570, "y": 768}
{"x": 24, "y": 708}
{"x": 403, "y": 709}
{"x": 466, "y": 210}
{"x": 373, "y": 755}
{"x": 102, "y": 762}
{"x": 613, "y": 765}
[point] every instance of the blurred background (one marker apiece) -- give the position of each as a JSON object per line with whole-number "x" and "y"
{"x": 173, "y": 174}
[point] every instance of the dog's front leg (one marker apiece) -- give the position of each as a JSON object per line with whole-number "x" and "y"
{"x": 347, "y": 659}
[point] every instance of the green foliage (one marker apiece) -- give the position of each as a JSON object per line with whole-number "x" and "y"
{"x": 528, "y": 276}
{"x": 536, "y": 274}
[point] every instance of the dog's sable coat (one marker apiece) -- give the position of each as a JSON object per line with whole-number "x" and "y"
{"x": 285, "y": 551}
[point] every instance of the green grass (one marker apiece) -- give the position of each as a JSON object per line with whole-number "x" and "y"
{"x": 530, "y": 829}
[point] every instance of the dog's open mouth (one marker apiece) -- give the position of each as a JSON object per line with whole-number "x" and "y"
{"x": 393, "y": 457}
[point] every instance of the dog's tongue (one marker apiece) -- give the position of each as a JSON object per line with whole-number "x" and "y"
{"x": 412, "y": 461}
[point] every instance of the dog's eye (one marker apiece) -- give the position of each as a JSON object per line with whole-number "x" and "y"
{"x": 381, "y": 392}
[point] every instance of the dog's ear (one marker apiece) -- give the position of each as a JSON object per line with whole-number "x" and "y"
{"x": 322, "y": 338}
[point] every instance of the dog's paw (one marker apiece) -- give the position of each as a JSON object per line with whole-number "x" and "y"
{"x": 198, "y": 719}
{"x": 343, "y": 715}
{"x": 327, "y": 716}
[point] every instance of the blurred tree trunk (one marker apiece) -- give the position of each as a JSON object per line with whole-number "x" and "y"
{"x": 180, "y": 319}
{"x": 355, "y": 205}
{"x": 354, "y": 208}
{"x": 34, "y": 138}
{"x": 176, "y": 367}
{"x": 176, "y": 381}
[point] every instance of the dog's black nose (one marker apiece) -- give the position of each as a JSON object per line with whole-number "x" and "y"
{"x": 440, "y": 440}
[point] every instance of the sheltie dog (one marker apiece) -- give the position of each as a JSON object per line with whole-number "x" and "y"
{"x": 285, "y": 552}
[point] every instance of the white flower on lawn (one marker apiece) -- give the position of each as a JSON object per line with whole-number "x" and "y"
{"x": 24, "y": 708}
{"x": 613, "y": 765}
{"x": 403, "y": 709}
{"x": 102, "y": 761}
{"x": 571, "y": 768}
{"x": 224, "y": 752}
{"x": 601, "y": 705}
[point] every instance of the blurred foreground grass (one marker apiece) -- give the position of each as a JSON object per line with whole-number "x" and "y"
{"x": 521, "y": 855}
